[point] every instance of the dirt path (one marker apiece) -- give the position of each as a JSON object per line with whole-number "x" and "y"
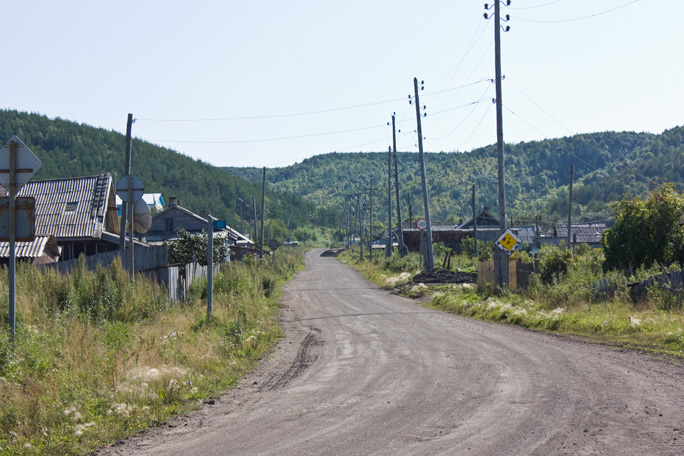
{"x": 363, "y": 372}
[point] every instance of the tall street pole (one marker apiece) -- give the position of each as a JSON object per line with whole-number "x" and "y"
{"x": 263, "y": 207}
{"x": 500, "y": 257}
{"x": 396, "y": 186}
{"x": 388, "y": 250}
{"x": 429, "y": 264}
{"x": 570, "y": 209}
{"x": 127, "y": 171}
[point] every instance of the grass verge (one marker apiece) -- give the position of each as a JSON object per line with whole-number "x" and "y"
{"x": 563, "y": 306}
{"x": 98, "y": 358}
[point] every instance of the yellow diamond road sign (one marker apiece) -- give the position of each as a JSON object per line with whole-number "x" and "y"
{"x": 508, "y": 241}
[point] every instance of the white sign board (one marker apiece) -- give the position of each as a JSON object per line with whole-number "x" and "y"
{"x": 137, "y": 187}
{"x": 508, "y": 241}
{"x": 26, "y": 166}
{"x": 421, "y": 224}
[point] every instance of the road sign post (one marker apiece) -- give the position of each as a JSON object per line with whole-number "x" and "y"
{"x": 17, "y": 165}
{"x": 130, "y": 189}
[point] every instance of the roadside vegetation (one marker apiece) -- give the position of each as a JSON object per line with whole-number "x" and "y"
{"x": 566, "y": 296}
{"x": 97, "y": 358}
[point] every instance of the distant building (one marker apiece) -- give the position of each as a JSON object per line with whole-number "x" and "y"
{"x": 154, "y": 200}
{"x": 166, "y": 222}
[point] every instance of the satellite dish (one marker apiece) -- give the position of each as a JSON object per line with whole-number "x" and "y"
{"x": 142, "y": 219}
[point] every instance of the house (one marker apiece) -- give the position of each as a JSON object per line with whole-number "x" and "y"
{"x": 42, "y": 250}
{"x": 80, "y": 213}
{"x": 488, "y": 228}
{"x": 165, "y": 223}
{"x": 154, "y": 200}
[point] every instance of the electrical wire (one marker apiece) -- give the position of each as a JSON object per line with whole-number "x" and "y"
{"x": 533, "y": 7}
{"x": 476, "y": 127}
{"x": 578, "y": 18}
{"x": 246, "y": 141}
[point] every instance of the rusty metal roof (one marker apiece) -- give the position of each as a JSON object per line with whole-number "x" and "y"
{"x": 74, "y": 208}
{"x": 32, "y": 249}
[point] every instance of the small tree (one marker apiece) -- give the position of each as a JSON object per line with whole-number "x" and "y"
{"x": 191, "y": 247}
{"x": 646, "y": 231}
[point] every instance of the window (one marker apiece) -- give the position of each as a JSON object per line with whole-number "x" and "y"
{"x": 169, "y": 224}
{"x": 70, "y": 207}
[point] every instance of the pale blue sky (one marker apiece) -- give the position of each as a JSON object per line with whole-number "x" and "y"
{"x": 255, "y": 64}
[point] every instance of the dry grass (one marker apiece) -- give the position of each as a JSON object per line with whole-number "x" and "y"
{"x": 97, "y": 358}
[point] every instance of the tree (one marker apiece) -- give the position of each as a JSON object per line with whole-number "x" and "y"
{"x": 189, "y": 247}
{"x": 646, "y": 231}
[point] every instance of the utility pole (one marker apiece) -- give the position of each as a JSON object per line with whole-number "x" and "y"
{"x": 429, "y": 264}
{"x": 500, "y": 257}
{"x": 410, "y": 211}
{"x": 254, "y": 219}
{"x": 570, "y": 209}
{"x": 127, "y": 171}
{"x": 263, "y": 207}
{"x": 396, "y": 186}
{"x": 363, "y": 229}
{"x": 370, "y": 225}
{"x": 388, "y": 250}
{"x": 475, "y": 222}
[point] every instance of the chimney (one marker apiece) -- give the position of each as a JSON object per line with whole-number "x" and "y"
{"x": 173, "y": 201}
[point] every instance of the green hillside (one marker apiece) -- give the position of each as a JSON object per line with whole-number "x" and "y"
{"x": 69, "y": 149}
{"x": 606, "y": 166}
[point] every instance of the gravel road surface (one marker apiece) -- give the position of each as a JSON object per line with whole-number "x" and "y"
{"x": 363, "y": 372}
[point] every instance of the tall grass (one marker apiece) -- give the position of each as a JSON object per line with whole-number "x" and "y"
{"x": 97, "y": 357}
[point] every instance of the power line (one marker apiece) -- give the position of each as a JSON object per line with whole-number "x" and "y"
{"x": 578, "y": 18}
{"x": 534, "y": 6}
{"x": 245, "y": 141}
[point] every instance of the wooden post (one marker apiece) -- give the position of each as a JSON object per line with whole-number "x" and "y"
{"x": 127, "y": 171}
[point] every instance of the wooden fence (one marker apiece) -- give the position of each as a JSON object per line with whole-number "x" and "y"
{"x": 672, "y": 281}
{"x": 518, "y": 274}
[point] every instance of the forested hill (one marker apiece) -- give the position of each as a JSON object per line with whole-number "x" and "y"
{"x": 69, "y": 149}
{"x": 606, "y": 166}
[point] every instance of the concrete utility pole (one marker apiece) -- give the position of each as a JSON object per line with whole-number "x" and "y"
{"x": 500, "y": 257}
{"x": 127, "y": 171}
{"x": 429, "y": 264}
{"x": 370, "y": 226}
{"x": 475, "y": 222}
{"x": 410, "y": 211}
{"x": 402, "y": 251}
{"x": 254, "y": 218}
{"x": 388, "y": 250}
{"x": 570, "y": 209}
{"x": 263, "y": 207}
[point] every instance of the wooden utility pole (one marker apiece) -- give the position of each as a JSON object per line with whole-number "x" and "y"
{"x": 263, "y": 207}
{"x": 475, "y": 222}
{"x": 388, "y": 249}
{"x": 429, "y": 264}
{"x": 500, "y": 257}
{"x": 396, "y": 186}
{"x": 127, "y": 171}
{"x": 570, "y": 209}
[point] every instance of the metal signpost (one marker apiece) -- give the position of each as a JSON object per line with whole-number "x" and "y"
{"x": 130, "y": 189}
{"x": 17, "y": 165}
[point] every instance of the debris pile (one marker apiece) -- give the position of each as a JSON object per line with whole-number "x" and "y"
{"x": 440, "y": 275}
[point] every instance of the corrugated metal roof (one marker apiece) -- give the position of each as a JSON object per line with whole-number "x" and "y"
{"x": 70, "y": 208}
{"x": 25, "y": 249}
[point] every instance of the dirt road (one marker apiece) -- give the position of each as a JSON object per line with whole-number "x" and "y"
{"x": 363, "y": 372}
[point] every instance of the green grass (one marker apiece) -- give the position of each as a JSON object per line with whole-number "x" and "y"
{"x": 562, "y": 305}
{"x": 97, "y": 358}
